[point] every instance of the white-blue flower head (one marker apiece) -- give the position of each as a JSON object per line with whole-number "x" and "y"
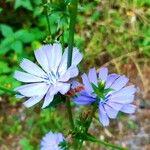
{"x": 109, "y": 91}
{"x": 52, "y": 141}
{"x": 51, "y": 77}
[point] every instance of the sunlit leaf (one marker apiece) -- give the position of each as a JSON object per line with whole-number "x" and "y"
{"x": 17, "y": 46}
{"x": 6, "y": 30}
{"x": 23, "y": 3}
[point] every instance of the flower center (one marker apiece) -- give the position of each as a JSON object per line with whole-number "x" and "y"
{"x": 51, "y": 77}
{"x": 100, "y": 90}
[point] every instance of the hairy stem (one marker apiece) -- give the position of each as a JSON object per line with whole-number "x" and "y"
{"x": 69, "y": 113}
{"x": 91, "y": 116}
{"x": 48, "y": 22}
{"x": 89, "y": 122}
{"x": 73, "y": 14}
{"x": 47, "y": 16}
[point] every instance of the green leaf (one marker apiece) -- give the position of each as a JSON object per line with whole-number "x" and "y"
{"x": 66, "y": 36}
{"x": 4, "y": 67}
{"x": 8, "y": 83}
{"x": 6, "y": 30}
{"x": 25, "y": 144}
{"x": 37, "y": 33}
{"x": 95, "y": 88}
{"x": 24, "y": 35}
{"x": 96, "y": 15}
{"x": 38, "y": 11}
{"x": 63, "y": 22}
{"x": 17, "y": 46}
{"x": 54, "y": 21}
{"x": 23, "y": 3}
{"x": 28, "y": 36}
{"x": 64, "y": 145}
{"x": 35, "y": 44}
{"x": 80, "y": 42}
{"x": 5, "y": 45}
{"x": 37, "y": 2}
{"x": 108, "y": 90}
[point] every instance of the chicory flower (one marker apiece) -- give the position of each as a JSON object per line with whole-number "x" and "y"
{"x": 52, "y": 141}
{"x": 51, "y": 77}
{"x": 109, "y": 91}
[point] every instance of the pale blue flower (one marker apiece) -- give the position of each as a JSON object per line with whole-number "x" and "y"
{"x": 49, "y": 79}
{"x": 52, "y": 141}
{"x": 109, "y": 91}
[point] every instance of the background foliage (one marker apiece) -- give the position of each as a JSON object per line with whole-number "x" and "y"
{"x": 114, "y": 33}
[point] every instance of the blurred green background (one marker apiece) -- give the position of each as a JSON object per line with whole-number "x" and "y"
{"x": 113, "y": 33}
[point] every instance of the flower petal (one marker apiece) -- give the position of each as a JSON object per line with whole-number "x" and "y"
{"x": 112, "y": 113}
{"x": 103, "y": 73}
{"x": 84, "y": 99}
{"x": 34, "y": 89}
{"x": 86, "y": 93}
{"x": 70, "y": 73}
{"x": 103, "y": 116}
{"x": 60, "y": 137}
{"x": 54, "y": 89}
{"x": 119, "y": 83}
{"x": 86, "y": 83}
{"x": 19, "y": 96}
{"x": 63, "y": 64}
{"x": 129, "y": 108}
{"x": 123, "y": 99}
{"x": 51, "y": 141}
{"x": 92, "y": 76}
{"x": 64, "y": 88}
{"x": 75, "y": 84}
{"x": 54, "y": 55}
{"x": 32, "y": 101}
{"x": 128, "y": 90}
{"x": 76, "y": 58}
{"x": 31, "y": 68}
{"x": 48, "y": 99}
{"x": 114, "y": 105}
{"x": 41, "y": 57}
{"x": 26, "y": 77}
{"x": 111, "y": 79}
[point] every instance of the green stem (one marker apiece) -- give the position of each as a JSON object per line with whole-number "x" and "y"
{"x": 69, "y": 113}
{"x": 110, "y": 145}
{"x": 95, "y": 140}
{"x": 48, "y": 22}
{"x": 92, "y": 115}
{"x": 73, "y": 14}
{"x": 7, "y": 90}
{"x": 47, "y": 16}
{"x": 89, "y": 122}
{"x": 106, "y": 143}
